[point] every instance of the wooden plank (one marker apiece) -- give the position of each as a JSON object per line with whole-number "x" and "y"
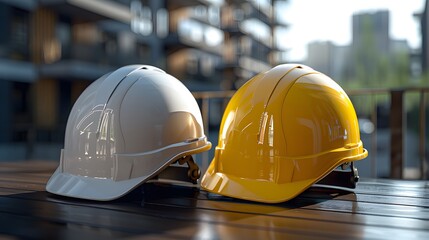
{"x": 27, "y": 186}
{"x": 319, "y": 222}
{"x": 24, "y": 178}
{"x": 28, "y": 166}
{"x": 322, "y": 193}
{"x": 173, "y": 225}
{"x": 400, "y": 208}
{"x": 27, "y": 227}
{"x": 26, "y": 175}
{"x": 396, "y": 183}
{"x": 11, "y": 191}
{"x": 326, "y": 204}
{"x": 391, "y": 192}
{"x": 233, "y": 211}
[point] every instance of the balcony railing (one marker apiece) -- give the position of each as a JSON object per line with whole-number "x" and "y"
{"x": 96, "y": 53}
{"x": 392, "y": 124}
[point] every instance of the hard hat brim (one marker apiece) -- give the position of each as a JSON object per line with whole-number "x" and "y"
{"x": 260, "y": 190}
{"x": 106, "y": 189}
{"x": 250, "y": 189}
{"x": 69, "y": 185}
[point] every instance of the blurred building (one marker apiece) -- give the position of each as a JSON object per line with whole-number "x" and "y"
{"x": 370, "y": 43}
{"x": 339, "y": 62}
{"x": 424, "y": 21}
{"x": 378, "y": 60}
{"x": 250, "y": 39}
{"x": 328, "y": 58}
{"x": 51, "y": 50}
{"x": 372, "y": 59}
{"x": 371, "y": 27}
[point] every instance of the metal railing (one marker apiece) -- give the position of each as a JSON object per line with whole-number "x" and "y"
{"x": 205, "y": 98}
{"x": 396, "y": 125}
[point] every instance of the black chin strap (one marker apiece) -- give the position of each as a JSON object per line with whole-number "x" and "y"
{"x": 191, "y": 173}
{"x": 342, "y": 178}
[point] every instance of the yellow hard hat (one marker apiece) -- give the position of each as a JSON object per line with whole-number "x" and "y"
{"x": 282, "y": 131}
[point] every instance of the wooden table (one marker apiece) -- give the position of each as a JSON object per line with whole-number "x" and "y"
{"x": 378, "y": 209}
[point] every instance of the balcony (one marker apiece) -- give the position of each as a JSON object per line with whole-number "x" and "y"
{"x": 87, "y": 61}
{"x": 256, "y": 9}
{"x": 90, "y": 10}
{"x": 188, "y": 32}
{"x": 23, "y": 71}
{"x": 176, "y": 4}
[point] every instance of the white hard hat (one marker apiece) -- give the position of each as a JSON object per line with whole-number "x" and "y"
{"x": 126, "y": 128}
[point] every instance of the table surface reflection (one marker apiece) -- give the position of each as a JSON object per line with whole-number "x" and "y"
{"x": 377, "y": 209}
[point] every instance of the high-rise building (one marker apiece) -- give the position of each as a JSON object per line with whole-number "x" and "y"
{"x": 370, "y": 43}
{"x": 373, "y": 28}
{"x": 374, "y": 58}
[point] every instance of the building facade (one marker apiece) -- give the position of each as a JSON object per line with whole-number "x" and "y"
{"x": 51, "y": 50}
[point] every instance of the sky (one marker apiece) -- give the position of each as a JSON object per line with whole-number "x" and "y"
{"x": 316, "y": 20}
